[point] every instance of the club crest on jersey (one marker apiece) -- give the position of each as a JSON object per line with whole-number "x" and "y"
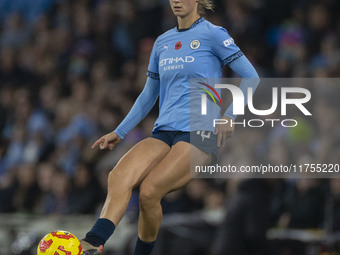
{"x": 195, "y": 44}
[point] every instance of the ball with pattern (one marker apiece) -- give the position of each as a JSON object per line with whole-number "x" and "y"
{"x": 59, "y": 243}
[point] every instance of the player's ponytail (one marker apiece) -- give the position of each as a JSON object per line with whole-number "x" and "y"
{"x": 204, "y": 5}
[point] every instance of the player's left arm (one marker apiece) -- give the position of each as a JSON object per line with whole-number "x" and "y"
{"x": 250, "y": 78}
{"x": 230, "y": 54}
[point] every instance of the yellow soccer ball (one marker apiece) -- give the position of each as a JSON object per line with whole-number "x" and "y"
{"x": 59, "y": 243}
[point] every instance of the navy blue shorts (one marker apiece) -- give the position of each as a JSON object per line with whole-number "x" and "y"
{"x": 206, "y": 141}
{"x": 172, "y": 137}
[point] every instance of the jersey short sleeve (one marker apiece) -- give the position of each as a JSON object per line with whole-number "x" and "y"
{"x": 224, "y": 46}
{"x": 153, "y": 71}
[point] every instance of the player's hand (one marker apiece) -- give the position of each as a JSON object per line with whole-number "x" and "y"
{"x": 224, "y": 131}
{"x": 108, "y": 141}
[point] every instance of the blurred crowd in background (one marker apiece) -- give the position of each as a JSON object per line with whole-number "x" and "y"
{"x": 70, "y": 71}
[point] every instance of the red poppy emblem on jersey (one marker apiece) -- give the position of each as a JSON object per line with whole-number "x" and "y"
{"x": 178, "y": 45}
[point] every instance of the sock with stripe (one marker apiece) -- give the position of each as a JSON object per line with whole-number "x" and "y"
{"x": 143, "y": 248}
{"x": 100, "y": 232}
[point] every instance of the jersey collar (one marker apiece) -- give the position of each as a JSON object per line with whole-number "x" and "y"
{"x": 192, "y": 26}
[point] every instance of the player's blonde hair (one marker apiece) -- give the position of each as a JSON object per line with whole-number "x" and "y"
{"x": 204, "y": 5}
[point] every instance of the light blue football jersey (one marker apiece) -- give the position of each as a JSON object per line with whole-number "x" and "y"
{"x": 200, "y": 51}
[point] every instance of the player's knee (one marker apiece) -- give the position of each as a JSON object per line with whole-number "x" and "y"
{"x": 148, "y": 196}
{"x": 116, "y": 180}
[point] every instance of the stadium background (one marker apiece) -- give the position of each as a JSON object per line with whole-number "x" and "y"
{"x": 71, "y": 70}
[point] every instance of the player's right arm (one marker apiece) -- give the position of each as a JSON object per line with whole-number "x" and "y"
{"x": 109, "y": 141}
{"x": 143, "y": 105}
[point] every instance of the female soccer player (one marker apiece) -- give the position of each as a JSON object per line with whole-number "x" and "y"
{"x": 161, "y": 163}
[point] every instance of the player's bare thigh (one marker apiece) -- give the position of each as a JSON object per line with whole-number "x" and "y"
{"x": 173, "y": 171}
{"x": 138, "y": 161}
